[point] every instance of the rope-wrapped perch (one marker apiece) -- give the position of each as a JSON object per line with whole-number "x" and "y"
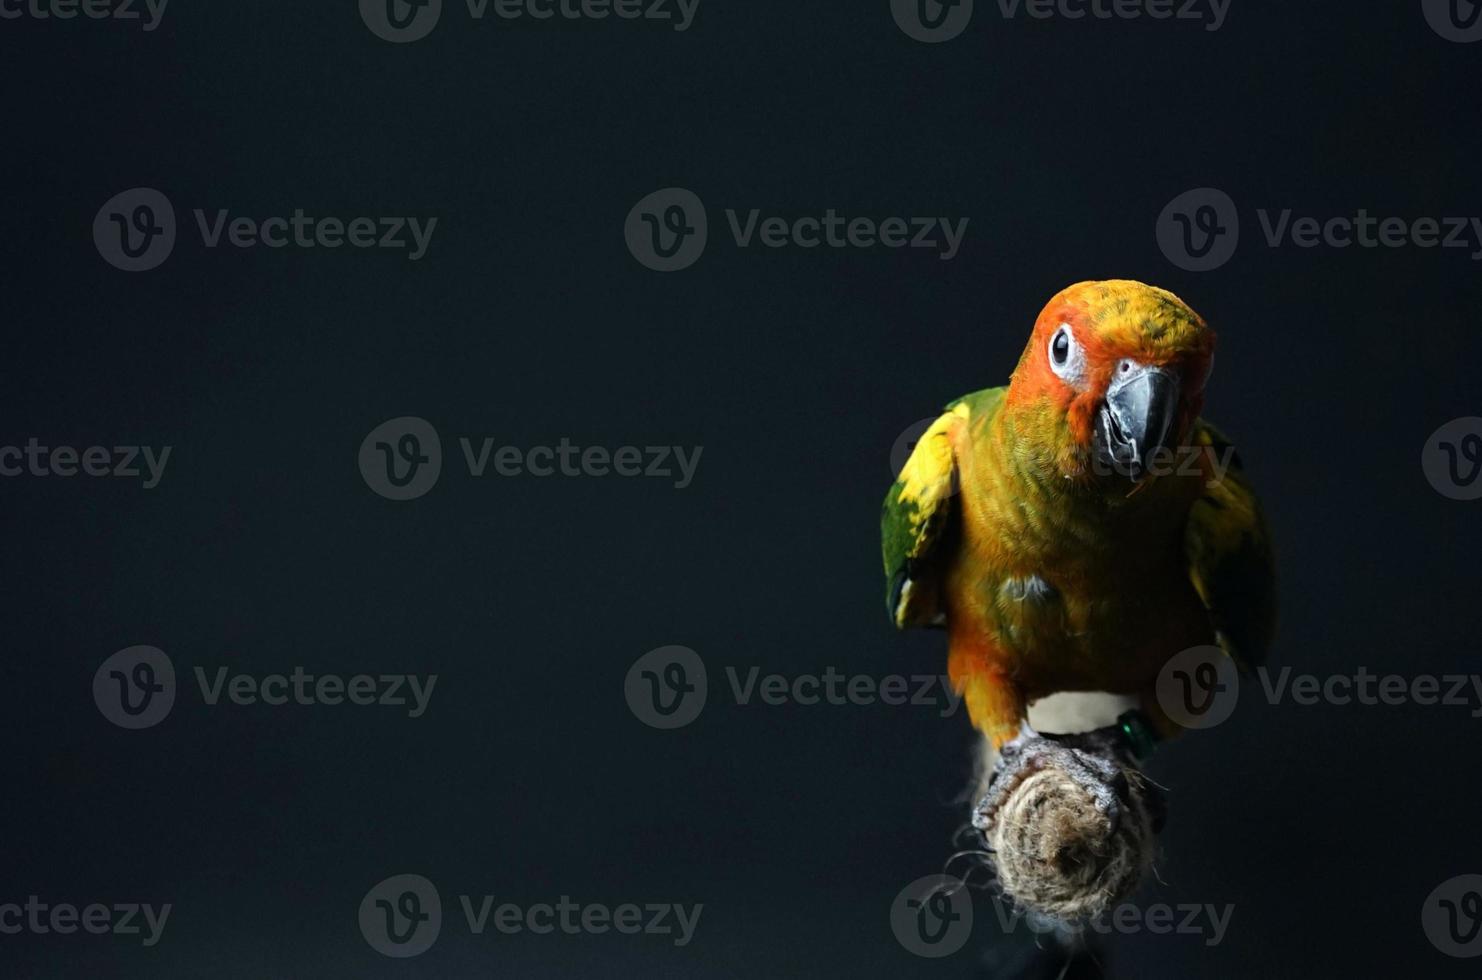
{"x": 1056, "y": 852}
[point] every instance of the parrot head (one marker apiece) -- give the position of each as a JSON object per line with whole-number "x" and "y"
{"x": 1112, "y": 377}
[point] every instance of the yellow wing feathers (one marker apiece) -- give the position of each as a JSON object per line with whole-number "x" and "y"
{"x": 916, "y": 517}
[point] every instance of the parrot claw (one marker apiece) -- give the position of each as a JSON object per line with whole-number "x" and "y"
{"x": 1100, "y": 775}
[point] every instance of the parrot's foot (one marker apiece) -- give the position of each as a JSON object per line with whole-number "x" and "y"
{"x": 1094, "y": 767}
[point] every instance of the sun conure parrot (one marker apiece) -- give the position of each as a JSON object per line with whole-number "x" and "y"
{"x": 1074, "y": 530}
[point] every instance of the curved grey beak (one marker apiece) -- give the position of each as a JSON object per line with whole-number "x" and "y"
{"x": 1137, "y": 419}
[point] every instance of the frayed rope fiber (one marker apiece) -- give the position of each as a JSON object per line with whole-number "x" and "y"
{"x": 1055, "y": 854}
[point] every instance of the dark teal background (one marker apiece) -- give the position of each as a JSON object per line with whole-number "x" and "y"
{"x": 528, "y": 321}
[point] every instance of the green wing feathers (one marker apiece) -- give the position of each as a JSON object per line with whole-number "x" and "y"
{"x": 920, "y": 516}
{"x": 1229, "y": 552}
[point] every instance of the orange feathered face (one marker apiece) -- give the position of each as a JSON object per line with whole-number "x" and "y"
{"x": 1123, "y": 365}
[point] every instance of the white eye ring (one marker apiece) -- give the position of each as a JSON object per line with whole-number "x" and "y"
{"x": 1067, "y": 359}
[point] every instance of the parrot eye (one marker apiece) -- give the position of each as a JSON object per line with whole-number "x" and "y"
{"x": 1066, "y": 359}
